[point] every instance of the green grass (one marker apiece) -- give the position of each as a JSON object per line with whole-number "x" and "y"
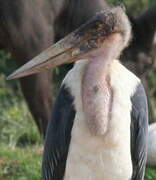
{"x": 20, "y": 163}
{"x": 150, "y": 173}
{"x": 20, "y": 149}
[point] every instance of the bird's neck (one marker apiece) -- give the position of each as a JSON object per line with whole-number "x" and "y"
{"x": 97, "y": 95}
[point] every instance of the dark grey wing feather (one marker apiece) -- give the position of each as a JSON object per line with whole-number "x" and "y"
{"x": 58, "y": 137}
{"x": 139, "y": 131}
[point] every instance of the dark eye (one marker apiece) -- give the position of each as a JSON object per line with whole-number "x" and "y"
{"x": 92, "y": 43}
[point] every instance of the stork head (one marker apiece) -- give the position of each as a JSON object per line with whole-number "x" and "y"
{"x": 107, "y": 27}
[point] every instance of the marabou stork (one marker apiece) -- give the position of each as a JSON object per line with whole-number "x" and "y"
{"x": 99, "y": 123}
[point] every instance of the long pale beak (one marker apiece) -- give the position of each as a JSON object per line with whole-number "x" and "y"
{"x": 65, "y": 51}
{"x": 88, "y": 37}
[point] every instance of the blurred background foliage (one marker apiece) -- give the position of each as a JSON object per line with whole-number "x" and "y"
{"x": 134, "y": 7}
{"x": 15, "y": 119}
{"x": 20, "y": 142}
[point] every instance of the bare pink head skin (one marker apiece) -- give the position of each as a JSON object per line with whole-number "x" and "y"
{"x": 101, "y": 40}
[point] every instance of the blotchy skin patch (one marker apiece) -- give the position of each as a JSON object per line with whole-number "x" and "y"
{"x": 97, "y": 96}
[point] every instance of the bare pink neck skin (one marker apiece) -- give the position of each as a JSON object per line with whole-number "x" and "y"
{"x": 96, "y": 96}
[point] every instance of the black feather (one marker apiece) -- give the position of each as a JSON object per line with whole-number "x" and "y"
{"x": 58, "y": 137}
{"x": 139, "y": 131}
